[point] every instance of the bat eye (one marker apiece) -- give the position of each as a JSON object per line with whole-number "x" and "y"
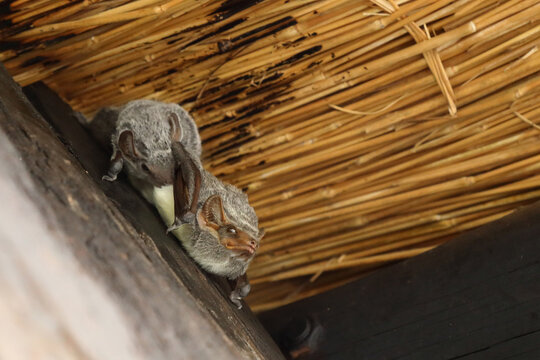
{"x": 145, "y": 168}
{"x": 231, "y": 230}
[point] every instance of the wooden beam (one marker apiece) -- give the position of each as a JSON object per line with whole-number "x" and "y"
{"x": 476, "y": 297}
{"x": 86, "y": 270}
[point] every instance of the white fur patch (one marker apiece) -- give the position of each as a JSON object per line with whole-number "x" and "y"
{"x": 223, "y": 268}
{"x": 163, "y": 200}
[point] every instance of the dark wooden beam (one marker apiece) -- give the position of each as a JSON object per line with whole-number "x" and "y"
{"x": 86, "y": 270}
{"x": 476, "y": 297}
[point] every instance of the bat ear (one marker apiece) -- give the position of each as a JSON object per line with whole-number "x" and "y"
{"x": 212, "y": 214}
{"x": 126, "y": 144}
{"x": 176, "y": 130}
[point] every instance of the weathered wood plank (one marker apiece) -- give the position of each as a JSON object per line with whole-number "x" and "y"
{"x": 77, "y": 279}
{"x": 476, "y": 297}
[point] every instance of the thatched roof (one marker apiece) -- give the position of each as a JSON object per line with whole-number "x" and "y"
{"x": 364, "y": 132}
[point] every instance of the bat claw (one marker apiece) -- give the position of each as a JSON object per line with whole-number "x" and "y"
{"x": 236, "y": 299}
{"x": 175, "y": 225}
{"x": 187, "y": 218}
{"x": 238, "y": 294}
{"x": 108, "y": 178}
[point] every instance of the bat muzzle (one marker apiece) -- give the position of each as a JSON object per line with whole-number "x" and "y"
{"x": 246, "y": 247}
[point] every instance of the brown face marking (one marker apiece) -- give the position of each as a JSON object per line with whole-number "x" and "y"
{"x": 239, "y": 240}
{"x": 214, "y": 218}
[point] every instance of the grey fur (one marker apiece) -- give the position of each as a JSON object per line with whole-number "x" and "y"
{"x": 148, "y": 120}
{"x": 203, "y": 246}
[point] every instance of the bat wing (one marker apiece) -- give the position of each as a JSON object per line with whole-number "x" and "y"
{"x": 186, "y": 172}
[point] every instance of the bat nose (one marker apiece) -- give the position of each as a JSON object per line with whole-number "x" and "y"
{"x": 253, "y": 243}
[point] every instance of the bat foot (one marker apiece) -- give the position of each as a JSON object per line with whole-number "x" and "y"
{"x": 108, "y": 177}
{"x": 236, "y": 299}
{"x": 238, "y": 294}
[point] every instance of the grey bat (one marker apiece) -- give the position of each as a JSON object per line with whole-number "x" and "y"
{"x": 142, "y": 140}
{"x": 160, "y": 147}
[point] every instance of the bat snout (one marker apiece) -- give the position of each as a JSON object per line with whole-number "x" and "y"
{"x": 244, "y": 245}
{"x": 253, "y": 244}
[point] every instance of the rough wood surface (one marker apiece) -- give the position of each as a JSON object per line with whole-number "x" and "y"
{"x": 77, "y": 279}
{"x": 476, "y": 297}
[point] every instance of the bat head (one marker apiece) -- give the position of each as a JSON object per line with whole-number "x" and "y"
{"x": 240, "y": 242}
{"x": 145, "y": 147}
